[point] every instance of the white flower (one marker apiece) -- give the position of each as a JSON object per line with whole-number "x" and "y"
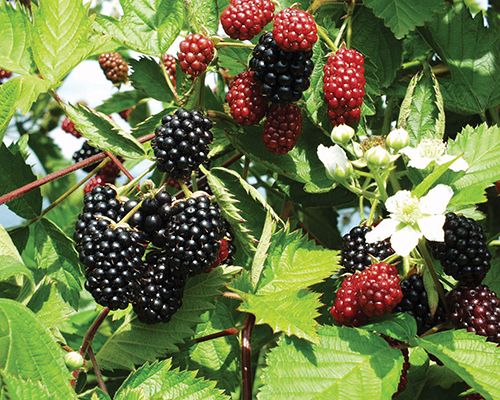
{"x": 429, "y": 151}
{"x": 411, "y": 218}
{"x": 335, "y": 160}
{"x": 342, "y": 133}
{"x": 397, "y": 139}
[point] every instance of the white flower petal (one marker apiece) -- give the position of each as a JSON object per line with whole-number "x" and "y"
{"x": 398, "y": 200}
{"x": 409, "y": 151}
{"x": 405, "y": 240}
{"x": 419, "y": 162}
{"x": 432, "y": 227}
{"x": 436, "y": 200}
{"x": 382, "y": 231}
{"x": 459, "y": 165}
{"x": 332, "y": 157}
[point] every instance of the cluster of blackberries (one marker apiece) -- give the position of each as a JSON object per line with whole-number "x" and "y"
{"x": 181, "y": 143}
{"x": 357, "y": 254}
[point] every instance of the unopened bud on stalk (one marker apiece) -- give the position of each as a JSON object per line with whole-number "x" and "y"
{"x": 397, "y": 139}
{"x": 73, "y": 360}
{"x": 378, "y": 157}
{"x": 342, "y": 134}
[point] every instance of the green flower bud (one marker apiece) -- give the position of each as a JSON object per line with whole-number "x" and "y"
{"x": 378, "y": 157}
{"x": 73, "y": 360}
{"x": 342, "y": 134}
{"x": 397, "y": 139}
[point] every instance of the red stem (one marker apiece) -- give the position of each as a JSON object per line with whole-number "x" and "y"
{"x": 225, "y": 332}
{"x": 58, "y": 174}
{"x": 119, "y": 164}
{"x": 89, "y": 336}
{"x": 246, "y": 357}
{"x": 97, "y": 371}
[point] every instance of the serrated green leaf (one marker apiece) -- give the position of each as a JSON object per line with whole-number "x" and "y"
{"x": 7, "y": 247}
{"x": 235, "y": 59}
{"x": 31, "y": 87}
{"x": 9, "y": 94}
{"x": 346, "y": 364}
{"x": 314, "y": 95}
{"x": 121, "y": 101}
{"x": 134, "y": 343}
{"x": 15, "y": 52}
{"x": 203, "y": 15}
{"x": 61, "y": 27}
{"x": 431, "y": 290}
{"x": 147, "y": 76}
{"x": 23, "y": 389}
{"x": 433, "y": 177}
{"x": 28, "y": 350}
{"x": 30, "y": 204}
{"x": 262, "y": 248}
{"x": 470, "y": 357}
{"x": 148, "y": 125}
{"x": 400, "y": 326}
{"x": 55, "y": 254}
{"x": 403, "y": 16}
{"x": 49, "y": 306}
{"x": 158, "y": 380}
{"x": 471, "y": 53}
{"x": 103, "y": 132}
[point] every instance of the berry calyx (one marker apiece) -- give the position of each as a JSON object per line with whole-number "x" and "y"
{"x": 114, "y": 67}
{"x": 343, "y": 86}
{"x": 195, "y": 53}
{"x": 170, "y": 64}
{"x": 69, "y": 127}
{"x": 246, "y": 103}
{"x": 295, "y": 30}
{"x": 242, "y": 20}
{"x": 181, "y": 143}
{"x": 282, "y": 128}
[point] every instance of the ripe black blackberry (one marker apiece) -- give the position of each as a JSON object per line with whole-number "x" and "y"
{"x": 283, "y": 75}
{"x": 152, "y": 217}
{"x": 416, "y": 303}
{"x": 355, "y": 254}
{"x": 194, "y": 234}
{"x": 181, "y": 142}
{"x": 477, "y": 309}
{"x": 85, "y": 152}
{"x": 161, "y": 287}
{"x": 464, "y": 253}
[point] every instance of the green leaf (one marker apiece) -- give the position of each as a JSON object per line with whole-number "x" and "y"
{"x": 49, "y": 306}
{"x": 158, "y": 380}
{"x": 30, "y": 204}
{"x": 121, "y": 101}
{"x": 23, "y": 389}
{"x": 9, "y": 93}
{"x": 15, "y": 52}
{"x": 103, "y": 132}
{"x": 314, "y": 95}
{"x": 420, "y": 113}
{"x": 235, "y": 59}
{"x": 281, "y": 298}
{"x": 134, "y": 343}
{"x": 417, "y": 375}
{"x": 346, "y": 364}
{"x": 400, "y": 326}
{"x": 378, "y": 44}
{"x": 55, "y": 254}
{"x": 471, "y": 53}
{"x": 431, "y": 290}
{"x": 7, "y": 247}
{"x": 60, "y": 32}
{"x": 470, "y": 357}
{"x": 147, "y": 26}
{"x": 148, "y": 77}
{"x": 433, "y": 177}
{"x": 203, "y": 15}
{"x": 403, "y": 16}
{"x": 492, "y": 279}
{"x": 261, "y": 251}
{"x": 28, "y": 350}
{"x": 31, "y": 87}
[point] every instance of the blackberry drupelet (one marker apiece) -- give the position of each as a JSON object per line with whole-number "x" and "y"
{"x": 283, "y": 75}
{"x": 356, "y": 252}
{"x": 416, "y": 303}
{"x": 85, "y": 152}
{"x": 464, "y": 253}
{"x": 477, "y": 309}
{"x": 181, "y": 143}
{"x": 194, "y": 234}
{"x": 161, "y": 287}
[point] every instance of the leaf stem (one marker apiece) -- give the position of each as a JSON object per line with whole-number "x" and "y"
{"x": 350, "y": 12}
{"x": 169, "y": 82}
{"x": 371, "y": 216}
{"x": 381, "y": 182}
{"x": 323, "y": 34}
{"x": 89, "y": 336}
{"x": 185, "y": 188}
{"x": 225, "y": 332}
{"x": 246, "y": 168}
{"x": 361, "y": 207}
{"x": 120, "y": 165}
{"x": 97, "y": 371}
{"x": 246, "y": 357}
{"x": 223, "y": 43}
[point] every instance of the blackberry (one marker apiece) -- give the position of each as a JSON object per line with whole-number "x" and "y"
{"x": 195, "y": 53}
{"x": 98, "y": 180}
{"x": 126, "y": 113}
{"x": 477, "y": 309}
{"x": 85, "y": 152}
{"x": 194, "y": 234}
{"x": 346, "y": 309}
{"x": 283, "y": 75}
{"x": 282, "y": 128}
{"x": 464, "y": 253}
{"x": 114, "y": 67}
{"x": 295, "y": 30}
{"x": 355, "y": 253}
{"x": 246, "y": 103}
{"x": 161, "y": 287}
{"x": 170, "y": 64}
{"x": 181, "y": 143}
{"x": 416, "y": 303}
{"x": 152, "y": 217}
{"x": 242, "y": 20}
{"x": 69, "y": 127}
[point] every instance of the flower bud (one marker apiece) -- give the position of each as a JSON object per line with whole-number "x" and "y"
{"x": 397, "y": 139}
{"x": 342, "y": 172}
{"x": 342, "y": 134}
{"x": 378, "y": 157}
{"x": 73, "y": 360}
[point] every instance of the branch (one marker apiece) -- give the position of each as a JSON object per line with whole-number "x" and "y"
{"x": 97, "y": 371}
{"x": 119, "y": 164}
{"x": 225, "y": 332}
{"x": 89, "y": 336}
{"x": 246, "y": 357}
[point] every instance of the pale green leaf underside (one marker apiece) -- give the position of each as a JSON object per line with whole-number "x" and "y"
{"x": 9, "y": 94}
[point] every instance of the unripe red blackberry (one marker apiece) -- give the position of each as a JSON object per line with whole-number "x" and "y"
{"x": 114, "y": 67}
{"x": 266, "y": 6}
{"x": 283, "y": 75}
{"x": 126, "y": 113}
{"x": 295, "y": 30}
{"x": 195, "y": 53}
{"x": 344, "y": 86}
{"x": 282, "y": 128}
{"x": 346, "y": 309}
{"x": 242, "y": 20}
{"x": 379, "y": 290}
{"x": 85, "y": 152}
{"x": 181, "y": 143}
{"x": 98, "y": 180}
{"x": 69, "y": 127}
{"x": 246, "y": 103}
{"x": 477, "y": 309}
{"x": 161, "y": 287}
{"x": 464, "y": 253}
{"x": 356, "y": 252}
{"x": 194, "y": 234}
{"x": 226, "y": 249}
{"x": 4, "y": 74}
{"x": 170, "y": 64}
